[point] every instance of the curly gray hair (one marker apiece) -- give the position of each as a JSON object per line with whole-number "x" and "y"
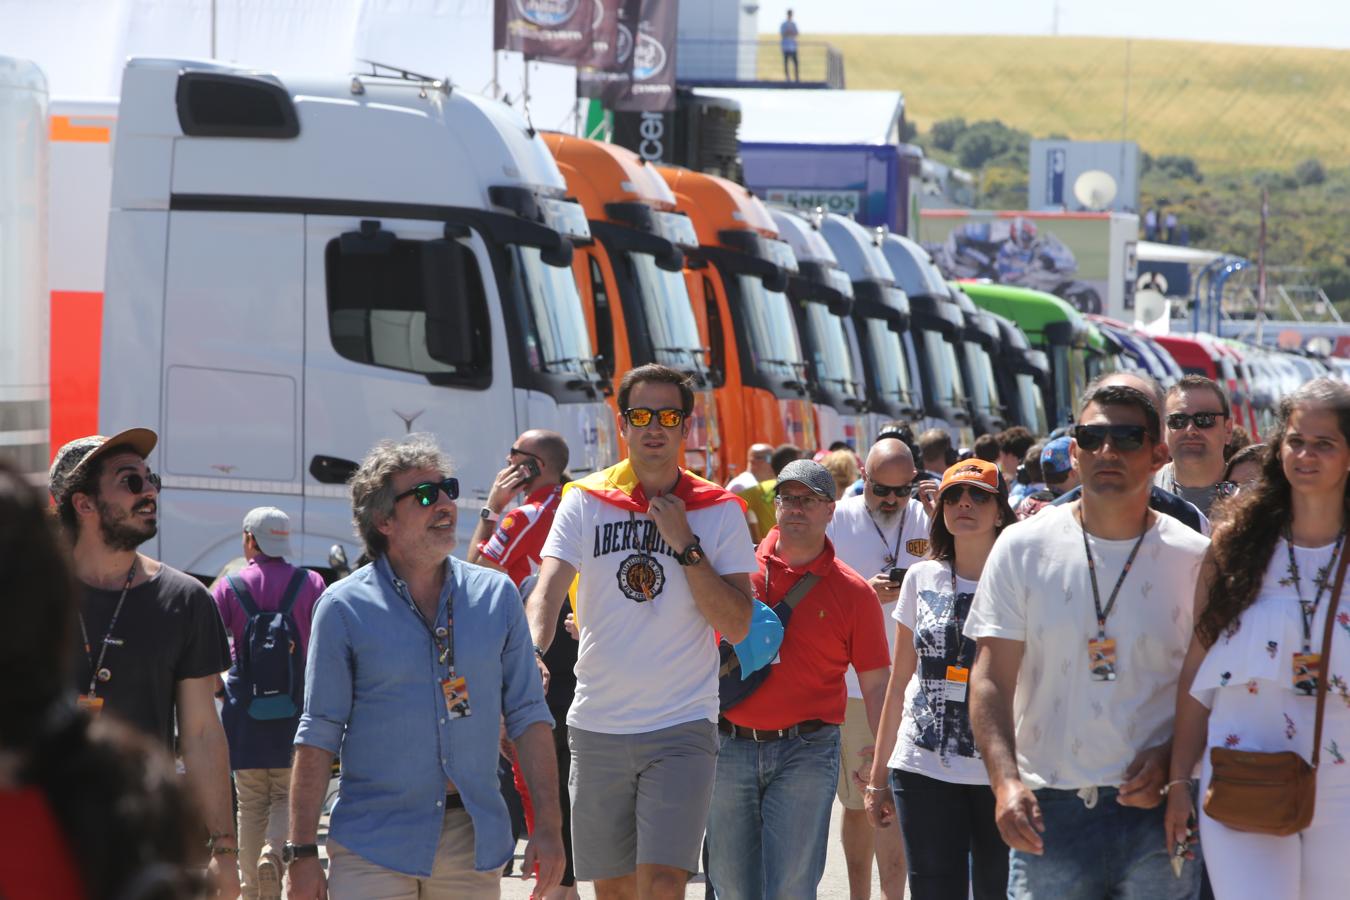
{"x": 373, "y": 484}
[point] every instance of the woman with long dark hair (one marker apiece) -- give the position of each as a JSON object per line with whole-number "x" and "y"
{"x": 1262, "y": 602}
{"x": 926, "y": 764}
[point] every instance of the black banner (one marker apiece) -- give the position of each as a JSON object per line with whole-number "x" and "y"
{"x": 605, "y": 35}
{"x": 644, "y": 76}
{"x": 551, "y": 30}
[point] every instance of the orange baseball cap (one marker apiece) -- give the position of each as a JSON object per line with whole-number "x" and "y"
{"x": 975, "y": 472}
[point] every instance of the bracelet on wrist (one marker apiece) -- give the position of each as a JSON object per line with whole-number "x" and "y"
{"x": 872, "y": 789}
{"x": 1167, "y": 788}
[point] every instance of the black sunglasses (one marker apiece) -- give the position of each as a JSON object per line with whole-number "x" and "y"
{"x": 136, "y": 484}
{"x": 641, "y": 416}
{"x": 977, "y": 496}
{"x": 516, "y": 451}
{"x": 1125, "y": 437}
{"x": 1202, "y": 420}
{"x": 885, "y": 490}
{"x": 426, "y": 491}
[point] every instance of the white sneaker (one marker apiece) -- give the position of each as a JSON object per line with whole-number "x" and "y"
{"x": 270, "y": 870}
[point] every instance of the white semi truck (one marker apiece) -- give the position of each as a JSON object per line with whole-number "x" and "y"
{"x": 24, "y": 380}
{"x": 299, "y": 267}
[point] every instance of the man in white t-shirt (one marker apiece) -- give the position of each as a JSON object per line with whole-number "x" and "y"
{"x": 1083, "y": 615}
{"x": 663, "y": 561}
{"x": 879, "y": 534}
{"x": 758, "y": 467}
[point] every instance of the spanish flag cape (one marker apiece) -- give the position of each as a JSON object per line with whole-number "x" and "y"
{"x": 618, "y": 486}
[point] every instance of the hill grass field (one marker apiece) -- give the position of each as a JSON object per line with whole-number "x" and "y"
{"x": 1229, "y": 107}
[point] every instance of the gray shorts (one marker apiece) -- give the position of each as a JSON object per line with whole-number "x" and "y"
{"x": 640, "y": 799}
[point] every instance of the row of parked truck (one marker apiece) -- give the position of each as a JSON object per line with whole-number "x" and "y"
{"x": 298, "y": 267}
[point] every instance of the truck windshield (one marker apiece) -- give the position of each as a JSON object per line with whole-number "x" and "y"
{"x": 983, "y": 386}
{"x": 1033, "y": 405}
{"x": 892, "y": 369}
{"x": 670, "y": 318}
{"x": 556, "y": 339}
{"x": 1070, "y": 370}
{"x": 768, "y": 326}
{"x": 832, "y": 361}
{"x": 948, "y": 387}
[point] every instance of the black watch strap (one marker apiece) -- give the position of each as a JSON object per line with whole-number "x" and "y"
{"x": 291, "y": 852}
{"x": 691, "y": 554}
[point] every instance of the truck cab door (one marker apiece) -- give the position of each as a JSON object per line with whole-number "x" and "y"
{"x": 403, "y": 334}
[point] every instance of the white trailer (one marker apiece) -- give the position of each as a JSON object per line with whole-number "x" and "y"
{"x": 299, "y": 267}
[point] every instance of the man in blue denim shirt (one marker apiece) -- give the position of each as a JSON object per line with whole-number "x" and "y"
{"x": 415, "y": 661}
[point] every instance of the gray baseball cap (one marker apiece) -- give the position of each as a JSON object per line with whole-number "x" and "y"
{"x": 812, "y": 474}
{"x": 73, "y": 458}
{"x": 271, "y": 528}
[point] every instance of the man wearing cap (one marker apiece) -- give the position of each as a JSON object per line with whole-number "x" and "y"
{"x": 879, "y": 534}
{"x": 1059, "y": 476}
{"x": 260, "y": 749}
{"x": 150, "y": 644}
{"x": 778, "y": 764}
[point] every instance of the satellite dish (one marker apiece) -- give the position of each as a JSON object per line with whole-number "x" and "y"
{"x": 1095, "y": 189}
{"x": 1149, "y": 307}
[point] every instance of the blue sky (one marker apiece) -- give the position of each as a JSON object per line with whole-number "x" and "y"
{"x": 1305, "y": 23}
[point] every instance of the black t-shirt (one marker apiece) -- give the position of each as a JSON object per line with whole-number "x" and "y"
{"x": 561, "y": 659}
{"x": 169, "y": 631}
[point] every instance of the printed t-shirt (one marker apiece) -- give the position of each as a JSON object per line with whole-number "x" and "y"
{"x": 267, "y": 578}
{"x": 642, "y": 664}
{"x": 837, "y": 624}
{"x": 1073, "y": 732}
{"x": 520, "y": 534}
{"x": 169, "y": 631}
{"x": 854, "y": 534}
{"x": 935, "y": 737}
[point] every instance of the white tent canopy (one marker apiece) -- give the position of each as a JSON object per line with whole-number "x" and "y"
{"x": 803, "y": 116}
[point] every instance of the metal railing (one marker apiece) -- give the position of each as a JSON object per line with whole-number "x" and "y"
{"x": 729, "y": 63}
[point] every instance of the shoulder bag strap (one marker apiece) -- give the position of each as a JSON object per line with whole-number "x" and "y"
{"x": 1324, "y": 663}
{"x": 241, "y": 593}
{"x": 800, "y": 589}
{"x": 298, "y": 579}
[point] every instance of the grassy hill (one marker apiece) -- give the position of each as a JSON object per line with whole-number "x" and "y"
{"x": 1229, "y": 107}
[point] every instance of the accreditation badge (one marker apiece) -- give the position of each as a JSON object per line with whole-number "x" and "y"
{"x": 1102, "y": 658}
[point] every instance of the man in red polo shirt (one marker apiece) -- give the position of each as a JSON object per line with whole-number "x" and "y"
{"x": 511, "y": 542}
{"x": 778, "y": 762}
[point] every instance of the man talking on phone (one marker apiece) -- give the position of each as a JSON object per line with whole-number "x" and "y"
{"x": 879, "y": 533}
{"x": 511, "y": 542}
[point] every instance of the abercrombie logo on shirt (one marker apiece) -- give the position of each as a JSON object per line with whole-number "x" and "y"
{"x": 616, "y": 537}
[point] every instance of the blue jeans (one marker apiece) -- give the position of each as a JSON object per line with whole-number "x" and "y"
{"x": 951, "y": 839}
{"x": 769, "y": 826}
{"x": 1109, "y": 851}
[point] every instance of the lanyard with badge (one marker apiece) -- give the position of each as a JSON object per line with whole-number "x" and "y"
{"x": 454, "y": 687}
{"x": 1307, "y": 664}
{"x": 958, "y": 676}
{"x": 892, "y": 556}
{"x": 1102, "y": 650}
{"x": 91, "y": 702}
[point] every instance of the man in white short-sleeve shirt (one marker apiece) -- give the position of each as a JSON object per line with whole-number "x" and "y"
{"x": 878, "y": 533}
{"x": 1073, "y": 689}
{"x": 663, "y": 563}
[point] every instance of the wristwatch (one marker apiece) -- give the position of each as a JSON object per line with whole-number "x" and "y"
{"x": 291, "y": 852}
{"x": 691, "y": 555}
{"x": 487, "y": 515}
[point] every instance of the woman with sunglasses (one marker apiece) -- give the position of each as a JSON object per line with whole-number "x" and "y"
{"x": 946, "y": 809}
{"x": 1262, "y": 602}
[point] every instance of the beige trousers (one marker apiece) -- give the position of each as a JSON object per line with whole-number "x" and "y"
{"x": 352, "y": 877}
{"x": 264, "y": 796}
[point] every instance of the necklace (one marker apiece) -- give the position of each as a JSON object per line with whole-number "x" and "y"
{"x": 892, "y": 555}
{"x": 97, "y": 671}
{"x": 1309, "y": 610}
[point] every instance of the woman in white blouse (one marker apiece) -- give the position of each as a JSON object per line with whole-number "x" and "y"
{"x": 925, "y": 750}
{"x": 1261, "y": 604}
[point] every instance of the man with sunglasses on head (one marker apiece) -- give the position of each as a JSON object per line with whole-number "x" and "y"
{"x": 879, "y": 534}
{"x": 416, "y": 662}
{"x": 150, "y": 644}
{"x": 1198, "y": 427}
{"x": 1082, "y": 617}
{"x": 663, "y": 564}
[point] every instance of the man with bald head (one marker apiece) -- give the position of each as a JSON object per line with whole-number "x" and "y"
{"x": 1160, "y": 500}
{"x": 879, "y": 533}
{"x": 511, "y": 543}
{"x": 758, "y": 468}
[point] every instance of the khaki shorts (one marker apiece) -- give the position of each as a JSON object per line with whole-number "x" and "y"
{"x": 640, "y": 799}
{"x": 353, "y": 877}
{"x": 854, "y": 736}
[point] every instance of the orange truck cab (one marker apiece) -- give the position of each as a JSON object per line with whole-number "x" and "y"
{"x": 737, "y": 280}
{"x": 633, "y": 292}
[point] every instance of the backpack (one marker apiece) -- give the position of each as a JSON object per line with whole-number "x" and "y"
{"x": 733, "y": 685}
{"x": 271, "y": 671}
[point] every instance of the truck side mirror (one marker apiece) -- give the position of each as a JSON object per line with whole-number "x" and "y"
{"x": 777, "y": 282}
{"x": 450, "y": 329}
{"x": 559, "y": 255}
{"x": 672, "y": 261}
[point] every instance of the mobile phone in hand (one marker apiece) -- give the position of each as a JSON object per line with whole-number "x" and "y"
{"x": 896, "y": 575}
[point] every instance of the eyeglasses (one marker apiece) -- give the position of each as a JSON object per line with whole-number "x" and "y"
{"x": 977, "y": 496}
{"x": 798, "y": 501}
{"x": 136, "y": 483}
{"x": 426, "y": 491}
{"x": 1124, "y": 437}
{"x": 885, "y": 490}
{"x": 1202, "y": 420}
{"x": 516, "y": 451}
{"x": 641, "y": 416}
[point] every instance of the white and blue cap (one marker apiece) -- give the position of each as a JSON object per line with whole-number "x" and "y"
{"x": 760, "y": 646}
